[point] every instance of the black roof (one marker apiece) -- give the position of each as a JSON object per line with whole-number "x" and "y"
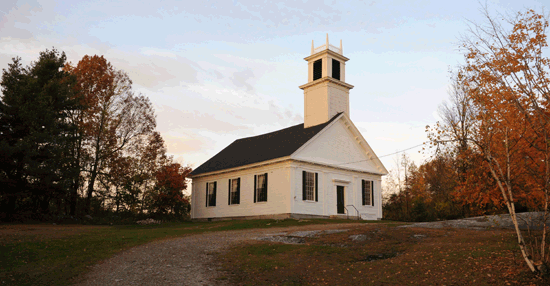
{"x": 260, "y": 148}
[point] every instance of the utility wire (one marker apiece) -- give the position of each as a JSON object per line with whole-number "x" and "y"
{"x": 384, "y": 155}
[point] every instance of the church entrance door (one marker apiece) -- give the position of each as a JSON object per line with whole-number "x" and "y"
{"x": 340, "y": 199}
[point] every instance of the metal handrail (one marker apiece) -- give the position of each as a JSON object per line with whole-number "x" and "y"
{"x": 347, "y": 212}
{"x": 356, "y": 210}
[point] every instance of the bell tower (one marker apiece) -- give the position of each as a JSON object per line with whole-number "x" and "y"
{"x": 326, "y": 93}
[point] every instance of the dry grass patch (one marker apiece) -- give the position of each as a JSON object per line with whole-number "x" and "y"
{"x": 12, "y": 233}
{"x": 384, "y": 255}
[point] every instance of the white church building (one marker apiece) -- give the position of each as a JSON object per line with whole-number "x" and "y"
{"x": 319, "y": 169}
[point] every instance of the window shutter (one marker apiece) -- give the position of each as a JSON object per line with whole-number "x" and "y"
{"x": 316, "y": 187}
{"x": 206, "y": 194}
{"x": 229, "y": 192}
{"x": 238, "y": 194}
{"x": 303, "y": 185}
{"x": 265, "y": 189}
{"x": 372, "y": 192}
{"x": 363, "y": 191}
{"x": 214, "y": 196}
{"x": 255, "y": 187}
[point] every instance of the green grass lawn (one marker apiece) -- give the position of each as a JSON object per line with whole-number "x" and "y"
{"x": 59, "y": 255}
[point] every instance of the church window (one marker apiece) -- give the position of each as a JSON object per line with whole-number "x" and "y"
{"x": 211, "y": 194}
{"x": 310, "y": 186}
{"x": 234, "y": 196}
{"x": 335, "y": 69}
{"x": 317, "y": 69}
{"x": 368, "y": 193}
{"x": 260, "y": 188}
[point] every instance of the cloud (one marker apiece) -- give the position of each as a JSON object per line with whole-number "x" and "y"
{"x": 241, "y": 79}
{"x": 155, "y": 70}
{"x": 198, "y": 121}
{"x": 185, "y": 143}
{"x": 27, "y": 50}
{"x": 219, "y": 71}
{"x": 159, "y": 53}
{"x": 22, "y": 34}
{"x": 205, "y": 118}
{"x": 16, "y": 15}
{"x": 152, "y": 71}
{"x": 27, "y": 19}
{"x": 224, "y": 111}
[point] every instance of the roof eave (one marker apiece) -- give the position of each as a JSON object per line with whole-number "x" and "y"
{"x": 239, "y": 168}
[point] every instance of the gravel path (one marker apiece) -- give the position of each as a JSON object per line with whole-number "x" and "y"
{"x": 181, "y": 261}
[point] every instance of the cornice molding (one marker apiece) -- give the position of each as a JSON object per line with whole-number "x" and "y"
{"x": 326, "y": 79}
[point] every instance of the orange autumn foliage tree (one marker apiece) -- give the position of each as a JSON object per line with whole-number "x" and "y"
{"x": 93, "y": 81}
{"x": 115, "y": 119}
{"x": 168, "y": 196}
{"x": 427, "y": 193}
{"x": 477, "y": 192}
{"x": 506, "y": 82}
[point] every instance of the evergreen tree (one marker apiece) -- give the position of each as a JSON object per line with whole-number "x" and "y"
{"x": 36, "y": 136}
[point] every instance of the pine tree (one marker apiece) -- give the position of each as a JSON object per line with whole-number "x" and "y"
{"x": 36, "y": 135}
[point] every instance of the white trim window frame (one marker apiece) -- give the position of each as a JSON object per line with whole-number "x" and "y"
{"x": 310, "y": 186}
{"x": 367, "y": 192}
{"x": 260, "y": 188}
{"x": 211, "y": 194}
{"x": 234, "y": 191}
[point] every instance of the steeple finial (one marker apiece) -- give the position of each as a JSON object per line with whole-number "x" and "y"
{"x": 312, "y": 48}
{"x": 327, "y": 41}
{"x": 341, "y": 50}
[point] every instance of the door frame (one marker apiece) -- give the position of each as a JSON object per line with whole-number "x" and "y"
{"x": 344, "y": 182}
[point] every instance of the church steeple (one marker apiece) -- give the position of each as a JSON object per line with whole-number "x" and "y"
{"x": 326, "y": 93}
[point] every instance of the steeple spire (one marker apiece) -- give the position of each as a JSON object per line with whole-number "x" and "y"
{"x": 326, "y": 93}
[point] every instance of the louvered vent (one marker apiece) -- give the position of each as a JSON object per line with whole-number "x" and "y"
{"x": 317, "y": 69}
{"x": 335, "y": 69}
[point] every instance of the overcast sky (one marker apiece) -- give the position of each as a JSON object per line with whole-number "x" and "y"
{"x": 217, "y": 71}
